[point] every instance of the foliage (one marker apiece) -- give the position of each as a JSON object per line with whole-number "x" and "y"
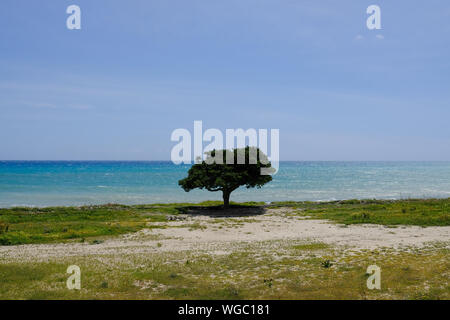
{"x": 227, "y": 170}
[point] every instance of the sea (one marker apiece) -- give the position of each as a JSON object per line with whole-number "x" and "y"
{"x": 74, "y": 183}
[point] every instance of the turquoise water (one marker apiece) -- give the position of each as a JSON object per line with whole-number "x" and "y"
{"x": 46, "y": 183}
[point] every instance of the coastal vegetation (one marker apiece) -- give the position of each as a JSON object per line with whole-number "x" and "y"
{"x": 227, "y": 170}
{"x": 87, "y": 223}
{"x": 277, "y": 270}
{"x": 416, "y": 212}
{"x": 248, "y": 251}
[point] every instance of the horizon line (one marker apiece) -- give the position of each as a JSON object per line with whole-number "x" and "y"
{"x": 40, "y": 160}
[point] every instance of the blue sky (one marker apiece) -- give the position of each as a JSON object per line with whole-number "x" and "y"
{"x": 137, "y": 70}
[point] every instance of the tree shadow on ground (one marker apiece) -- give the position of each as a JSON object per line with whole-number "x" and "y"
{"x": 220, "y": 211}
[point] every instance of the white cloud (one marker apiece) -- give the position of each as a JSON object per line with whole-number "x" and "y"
{"x": 379, "y": 36}
{"x": 359, "y": 37}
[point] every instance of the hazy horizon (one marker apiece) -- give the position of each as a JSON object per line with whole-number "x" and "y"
{"x": 106, "y": 160}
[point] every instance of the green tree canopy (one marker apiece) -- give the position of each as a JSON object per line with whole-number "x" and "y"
{"x": 215, "y": 173}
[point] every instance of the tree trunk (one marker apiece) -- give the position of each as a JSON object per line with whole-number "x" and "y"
{"x": 226, "y": 199}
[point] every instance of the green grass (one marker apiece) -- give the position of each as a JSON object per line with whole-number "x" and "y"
{"x": 32, "y": 225}
{"x": 419, "y": 212}
{"x": 284, "y": 272}
{"x": 23, "y": 225}
{"x": 311, "y": 246}
{"x": 62, "y": 224}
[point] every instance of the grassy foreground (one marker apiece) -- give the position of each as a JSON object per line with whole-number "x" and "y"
{"x": 270, "y": 269}
{"x": 286, "y": 271}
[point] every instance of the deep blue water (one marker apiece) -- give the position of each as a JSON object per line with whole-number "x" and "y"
{"x": 48, "y": 183}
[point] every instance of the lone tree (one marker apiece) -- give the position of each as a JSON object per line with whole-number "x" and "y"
{"x": 227, "y": 170}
